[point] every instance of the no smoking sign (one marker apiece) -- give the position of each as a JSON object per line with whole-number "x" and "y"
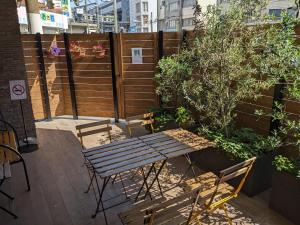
{"x": 17, "y": 89}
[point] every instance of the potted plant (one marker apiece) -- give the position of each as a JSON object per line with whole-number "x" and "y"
{"x": 76, "y": 50}
{"x": 53, "y": 51}
{"x": 99, "y": 51}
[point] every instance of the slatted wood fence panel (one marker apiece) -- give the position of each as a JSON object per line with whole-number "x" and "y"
{"x": 137, "y": 84}
{"x": 93, "y": 77}
{"x": 172, "y": 42}
{"x": 33, "y": 75}
{"x": 57, "y": 76}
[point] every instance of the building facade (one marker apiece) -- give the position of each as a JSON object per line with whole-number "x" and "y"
{"x": 143, "y": 16}
{"x": 176, "y": 15}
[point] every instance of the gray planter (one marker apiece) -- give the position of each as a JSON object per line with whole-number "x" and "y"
{"x": 285, "y": 196}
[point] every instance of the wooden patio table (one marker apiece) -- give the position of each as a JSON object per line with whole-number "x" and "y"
{"x": 121, "y": 156}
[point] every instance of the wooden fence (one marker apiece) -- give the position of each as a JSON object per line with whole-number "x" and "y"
{"x": 113, "y": 86}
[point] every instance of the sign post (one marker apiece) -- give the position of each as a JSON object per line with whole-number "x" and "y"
{"x": 18, "y": 93}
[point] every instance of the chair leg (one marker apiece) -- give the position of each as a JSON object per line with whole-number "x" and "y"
{"x": 9, "y": 212}
{"x": 7, "y": 195}
{"x": 226, "y": 214}
{"x": 91, "y": 182}
{"x": 26, "y": 175}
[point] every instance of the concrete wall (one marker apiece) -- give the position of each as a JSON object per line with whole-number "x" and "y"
{"x": 12, "y": 67}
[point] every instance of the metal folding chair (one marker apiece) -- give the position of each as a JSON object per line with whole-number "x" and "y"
{"x": 84, "y": 130}
{"x": 142, "y": 120}
{"x": 203, "y": 195}
{"x": 9, "y": 156}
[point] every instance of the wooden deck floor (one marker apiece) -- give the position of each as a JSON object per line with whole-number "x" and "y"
{"x": 58, "y": 183}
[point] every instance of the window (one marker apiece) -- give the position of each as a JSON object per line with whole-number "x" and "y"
{"x": 138, "y": 21}
{"x": 145, "y": 6}
{"x": 146, "y": 29}
{"x": 173, "y": 6}
{"x": 145, "y": 19}
{"x": 188, "y": 22}
{"x": 138, "y": 7}
{"x": 172, "y": 24}
{"x": 275, "y": 12}
{"x": 189, "y": 3}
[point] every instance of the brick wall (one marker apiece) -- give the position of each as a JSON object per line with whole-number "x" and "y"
{"x": 12, "y": 68}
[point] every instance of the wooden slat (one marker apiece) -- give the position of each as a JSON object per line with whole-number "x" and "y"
{"x": 90, "y": 132}
{"x": 87, "y": 125}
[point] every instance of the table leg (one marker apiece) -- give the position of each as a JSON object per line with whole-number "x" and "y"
{"x": 105, "y": 182}
{"x": 144, "y": 182}
{"x": 190, "y": 162}
{"x": 155, "y": 178}
{"x": 143, "y": 174}
{"x": 160, "y": 189}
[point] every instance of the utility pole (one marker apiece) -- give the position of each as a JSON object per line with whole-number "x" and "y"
{"x": 116, "y": 17}
{"x": 180, "y": 16}
{"x": 33, "y": 13}
{"x": 97, "y": 13}
{"x": 151, "y": 21}
{"x": 86, "y": 18}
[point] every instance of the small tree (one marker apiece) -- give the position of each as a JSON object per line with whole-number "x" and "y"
{"x": 174, "y": 70}
{"x": 229, "y": 66}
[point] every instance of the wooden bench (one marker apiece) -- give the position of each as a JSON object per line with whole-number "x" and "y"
{"x": 204, "y": 194}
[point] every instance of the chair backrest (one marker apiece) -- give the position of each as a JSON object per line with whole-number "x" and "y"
{"x": 240, "y": 170}
{"x": 140, "y": 120}
{"x": 93, "y": 128}
{"x": 8, "y": 137}
{"x": 8, "y": 150}
{"x": 12, "y": 138}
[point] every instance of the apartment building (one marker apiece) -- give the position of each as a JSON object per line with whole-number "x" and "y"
{"x": 106, "y": 12}
{"x": 143, "y": 16}
{"x": 174, "y": 15}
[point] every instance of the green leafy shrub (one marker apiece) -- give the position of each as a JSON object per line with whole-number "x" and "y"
{"x": 162, "y": 117}
{"x": 173, "y": 71}
{"x": 287, "y": 165}
{"x": 243, "y": 144}
{"x": 183, "y": 116}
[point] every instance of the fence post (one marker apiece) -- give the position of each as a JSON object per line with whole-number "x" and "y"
{"x": 43, "y": 75}
{"x": 277, "y": 97}
{"x": 184, "y": 38}
{"x": 113, "y": 75}
{"x": 160, "y": 44}
{"x": 70, "y": 76}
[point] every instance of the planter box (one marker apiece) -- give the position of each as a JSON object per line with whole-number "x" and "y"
{"x": 285, "y": 196}
{"x": 259, "y": 179}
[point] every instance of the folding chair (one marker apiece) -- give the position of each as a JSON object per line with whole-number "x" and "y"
{"x": 203, "y": 195}
{"x": 88, "y": 129}
{"x": 134, "y": 122}
{"x": 9, "y": 155}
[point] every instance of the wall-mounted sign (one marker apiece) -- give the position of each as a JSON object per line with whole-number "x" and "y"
{"x": 79, "y": 11}
{"x": 17, "y": 89}
{"x": 137, "y": 55}
{"x": 50, "y": 19}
